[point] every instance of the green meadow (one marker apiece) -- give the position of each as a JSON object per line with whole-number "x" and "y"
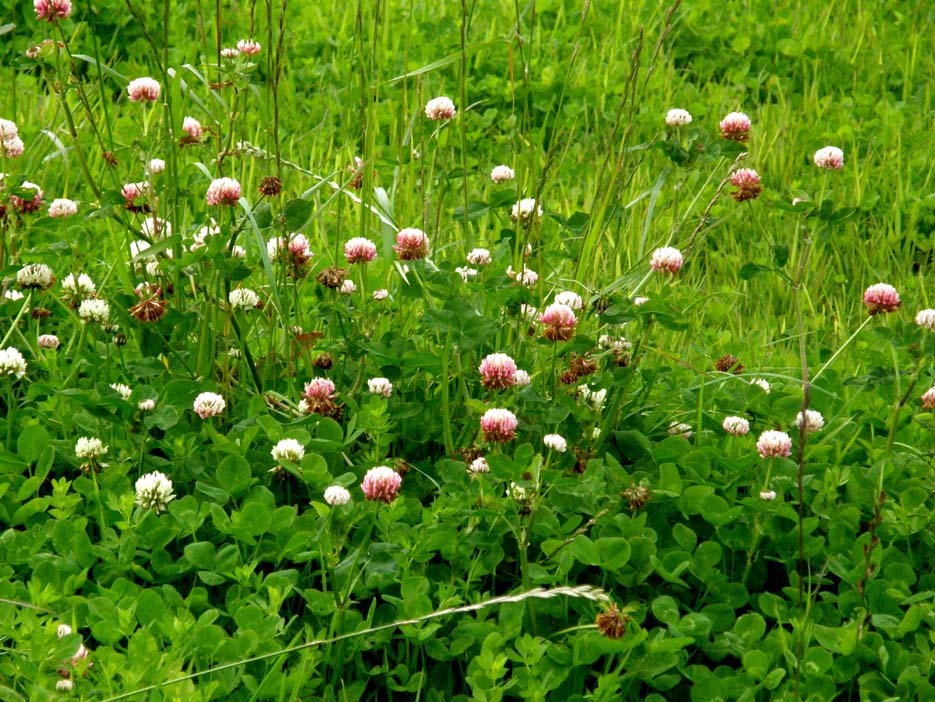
{"x": 477, "y": 351}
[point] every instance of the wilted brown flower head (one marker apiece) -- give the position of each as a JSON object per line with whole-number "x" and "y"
{"x": 401, "y": 466}
{"x": 323, "y": 360}
{"x": 582, "y": 456}
{"x": 270, "y": 186}
{"x": 637, "y": 496}
{"x": 332, "y": 277}
{"x": 729, "y": 363}
{"x": 613, "y": 622}
{"x": 582, "y": 365}
{"x": 151, "y": 306}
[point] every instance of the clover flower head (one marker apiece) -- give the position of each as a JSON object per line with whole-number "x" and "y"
{"x": 411, "y": 244}
{"x": 380, "y": 386}
{"x": 223, "y": 191}
{"x": 666, "y": 260}
{"x": 773, "y": 444}
{"x": 360, "y": 250}
{"x": 288, "y": 450}
{"x": 154, "y": 491}
{"x": 336, "y": 496}
{"x": 881, "y": 298}
{"x": 830, "y": 157}
{"x": 94, "y": 310}
{"x": 440, "y": 108}
{"x": 555, "y": 442}
{"x": 90, "y": 447}
{"x": 736, "y": 426}
{"x": 381, "y": 484}
{"x": 498, "y": 371}
{"x": 479, "y": 257}
{"x": 677, "y": 117}
{"x": 810, "y": 420}
{"x": 144, "y": 89}
{"x": 12, "y": 363}
{"x": 735, "y": 126}
{"x": 502, "y": 174}
{"x": 208, "y": 404}
{"x": 243, "y": 299}
{"x": 248, "y": 47}
{"x": 499, "y": 425}
{"x": 35, "y": 276}
{"x": 63, "y": 207}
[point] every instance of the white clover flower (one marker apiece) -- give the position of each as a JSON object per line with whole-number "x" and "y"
{"x": 641, "y": 300}
{"x": 556, "y": 442}
{"x": 517, "y": 492}
{"x": 380, "y": 386}
{"x": 572, "y": 299}
{"x": 526, "y": 210}
{"x": 440, "y": 108}
{"x": 123, "y": 390}
{"x": 829, "y": 157}
{"x": 63, "y": 630}
{"x": 288, "y": 450}
{"x": 736, "y": 426}
{"x": 13, "y": 295}
{"x": 479, "y": 257}
{"x": 157, "y": 165}
{"x": 89, "y": 447}
{"x": 274, "y": 245}
{"x": 154, "y": 491}
{"x": 677, "y": 117}
{"x": 529, "y": 313}
{"x": 618, "y": 345}
{"x": 466, "y": 273}
{"x": 337, "y": 495}
{"x": 48, "y": 341}
{"x": 812, "y": 421}
{"x": 203, "y": 233}
{"x": 35, "y": 276}
{"x": 502, "y": 174}
{"x": 521, "y": 378}
{"x": 762, "y": 384}
{"x": 594, "y": 398}
{"x": 243, "y": 299}
{"x": 12, "y": 362}
{"x": 347, "y": 287}
{"x": 926, "y": 319}
{"x": 63, "y": 207}
{"x": 478, "y": 466}
{"x": 381, "y": 294}
{"x": 147, "y": 405}
{"x": 94, "y": 310}
{"x": 78, "y": 288}
{"x": 8, "y": 129}
{"x": 680, "y": 429}
{"x": 527, "y": 277}
{"x": 156, "y": 228}
{"x": 768, "y": 495}
{"x": 238, "y": 251}
{"x": 208, "y": 404}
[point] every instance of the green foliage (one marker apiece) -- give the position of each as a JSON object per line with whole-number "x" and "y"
{"x": 200, "y": 552}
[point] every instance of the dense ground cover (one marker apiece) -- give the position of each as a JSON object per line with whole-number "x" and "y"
{"x": 318, "y": 386}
